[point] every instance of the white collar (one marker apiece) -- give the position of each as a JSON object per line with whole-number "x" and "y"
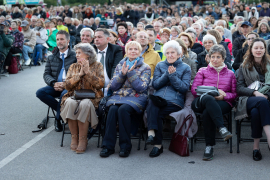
{"x": 66, "y": 52}
{"x": 104, "y": 50}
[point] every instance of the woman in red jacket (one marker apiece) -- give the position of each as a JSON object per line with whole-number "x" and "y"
{"x": 218, "y": 75}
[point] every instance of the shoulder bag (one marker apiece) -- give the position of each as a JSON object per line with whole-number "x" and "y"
{"x": 205, "y": 90}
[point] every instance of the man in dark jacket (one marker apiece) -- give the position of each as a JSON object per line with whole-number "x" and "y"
{"x": 41, "y": 12}
{"x": 80, "y": 27}
{"x": 238, "y": 42}
{"x": 265, "y": 10}
{"x": 66, "y": 12}
{"x": 72, "y": 31}
{"x": 129, "y": 15}
{"x": 55, "y": 74}
{"x": 16, "y": 14}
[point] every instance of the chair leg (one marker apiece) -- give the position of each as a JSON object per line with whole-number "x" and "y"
{"x": 191, "y": 145}
{"x": 238, "y": 135}
{"x": 145, "y": 145}
{"x": 99, "y": 136}
{"x": 63, "y": 133}
{"x": 48, "y": 116}
{"x": 140, "y": 136}
{"x": 230, "y": 127}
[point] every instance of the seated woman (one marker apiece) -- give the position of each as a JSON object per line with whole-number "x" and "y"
{"x": 41, "y": 39}
{"x": 218, "y": 75}
{"x": 129, "y": 85}
{"x": 264, "y": 31}
{"x": 221, "y": 30}
{"x": 171, "y": 81}
{"x": 52, "y": 36}
{"x": 255, "y": 103}
{"x": 218, "y": 37}
{"x": 197, "y": 47}
{"x": 208, "y": 42}
{"x": 189, "y": 43}
{"x": 123, "y": 35}
{"x": 87, "y": 73}
{"x": 114, "y": 40}
{"x": 240, "y": 55}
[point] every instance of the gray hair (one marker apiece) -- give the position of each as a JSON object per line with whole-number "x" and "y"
{"x": 88, "y": 29}
{"x": 88, "y": 50}
{"x": 217, "y": 49}
{"x": 176, "y": 28}
{"x": 191, "y": 30}
{"x": 141, "y": 24}
{"x": 130, "y": 24}
{"x": 172, "y": 44}
{"x": 97, "y": 18}
{"x": 187, "y": 25}
{"x": 241, "y": 17}
{"x": 197, "y": 23}
{"x": 209, "y": 37}
{"x": 222, "y": 21}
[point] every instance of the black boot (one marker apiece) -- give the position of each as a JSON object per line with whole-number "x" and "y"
{"x": 58, "y": 125}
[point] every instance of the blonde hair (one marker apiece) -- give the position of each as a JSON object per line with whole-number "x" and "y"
{"x": 184, "y": 47}
{"x": 133, "y": 43}
{"x": 220, "y": 27}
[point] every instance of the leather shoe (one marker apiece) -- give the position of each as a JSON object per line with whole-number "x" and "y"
{"x": 156, "y": 152}
{"x": 150, "y": 140}
{"x": 124, "y": 153}
{"x": 58, "y": 126}
{"x": 106, "y": 152}
{"x": 257, "y": 156}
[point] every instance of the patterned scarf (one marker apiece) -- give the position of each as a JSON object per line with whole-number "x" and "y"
{"x": 123, "y": 38}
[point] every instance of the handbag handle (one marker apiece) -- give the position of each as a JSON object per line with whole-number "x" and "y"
{"x": 184, "y": 122}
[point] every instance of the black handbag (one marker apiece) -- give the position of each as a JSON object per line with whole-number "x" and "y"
{"x": 84, "y": 94}
{"x": 205, "y": 90}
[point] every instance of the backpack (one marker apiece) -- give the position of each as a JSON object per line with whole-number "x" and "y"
{"x": 13, "y": 68}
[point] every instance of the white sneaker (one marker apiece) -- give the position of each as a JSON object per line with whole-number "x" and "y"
{"x": 27, "y": 62}
{"x": 21, "y": 62}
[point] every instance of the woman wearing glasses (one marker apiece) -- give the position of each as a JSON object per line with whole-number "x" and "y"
{"x": 239, "y": 57}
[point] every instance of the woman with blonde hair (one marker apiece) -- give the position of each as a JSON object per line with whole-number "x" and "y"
{"x": 187, "y": 39}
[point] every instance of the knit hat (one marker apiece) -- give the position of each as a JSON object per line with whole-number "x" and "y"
{"x": 167, "y": 30}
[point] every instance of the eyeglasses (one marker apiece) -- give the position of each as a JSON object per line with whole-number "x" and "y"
{"x": 157, "y": 26}
{"x": 142, "y": 37}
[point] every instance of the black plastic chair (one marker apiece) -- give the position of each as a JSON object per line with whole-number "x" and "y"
{"x": 239, "y": 138}
{"x": 227, "y": 117}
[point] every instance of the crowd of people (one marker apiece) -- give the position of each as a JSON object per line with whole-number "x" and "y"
{"x": 149, "y": 60}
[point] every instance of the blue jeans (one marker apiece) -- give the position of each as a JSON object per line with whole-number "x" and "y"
{"x": 26, "y": 50}
{"x": 48, "y": 94}
{"x": 38, "y": 48}
{"x": 72, "y": 41}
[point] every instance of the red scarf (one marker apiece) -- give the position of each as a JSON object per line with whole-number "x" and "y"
{"x": 123, "y": 38}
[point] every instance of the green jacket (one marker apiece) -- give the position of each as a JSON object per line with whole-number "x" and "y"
{"x": 6, "y": 41}
{"x": 52, "y": 39}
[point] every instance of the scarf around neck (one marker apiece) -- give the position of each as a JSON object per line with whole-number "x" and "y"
{"x": 123, "y": 38}
{"x": 131, "y": 63}
{"x": 218, "y": 69}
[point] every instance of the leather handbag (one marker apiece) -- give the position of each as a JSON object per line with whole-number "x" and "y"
{"x": 205, "y": 90}
{"x": 84, "y": 94}
{"x": 180, "y": 143}
{"x": 256, "y": 85}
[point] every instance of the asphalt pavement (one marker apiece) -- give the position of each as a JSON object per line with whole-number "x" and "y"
{"x": 26, "y": 155}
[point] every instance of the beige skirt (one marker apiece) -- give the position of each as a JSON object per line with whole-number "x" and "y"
{"x": 86, "y": 111}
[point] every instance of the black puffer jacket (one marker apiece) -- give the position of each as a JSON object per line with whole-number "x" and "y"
{"x": 237, "y": 45}
{"x": 17, "y": 15}
{"x": 54, "y": 65}
{"x": 201, "y": 60}
{"x": 197, "y": 48}
{"x": 228, "y": 59}
{"x": 239, "y": 57}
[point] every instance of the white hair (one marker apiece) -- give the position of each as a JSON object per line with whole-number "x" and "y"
{"x": 141, "y": 24}
{"x": 172, "y": 44}
{"x": 209, "y": 37}
{"x": 241, "y": 17}
{"x": 223, "y": 21}
{"x": 88, "y": 29}
{"x": 192, "y": 30}
{"x": 201, "y": 22}
{"x": 198, "y": 24}
{"x": 86, "y": 20}
{"x": 3, "y": 8}
{"x": 97, "y": 18}
{"x": 130, "y": 24}
{"x": 34, "y": 17}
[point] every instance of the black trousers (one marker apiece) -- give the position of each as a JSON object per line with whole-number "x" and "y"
{"x": 122, "y": 114}
{"x": 155, "y": 117}
{"x": 258, "y": 109}
{"x": 212, "y": 117}
{"x": 13, "y": 50}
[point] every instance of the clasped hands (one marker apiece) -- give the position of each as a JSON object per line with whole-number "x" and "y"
{"x": 171, "y": 69}
{"x": 221, "y": 96}
{"x": 59, "y": 86}
{"x": 84, "y": 67}
{"x": 125, "y": 68}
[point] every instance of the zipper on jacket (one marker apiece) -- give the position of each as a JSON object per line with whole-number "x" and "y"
{"x": 165, "y": 91}
{"x": 218, "y": 80}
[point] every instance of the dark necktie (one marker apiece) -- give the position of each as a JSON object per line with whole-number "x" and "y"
{"x": 102, "y": 57}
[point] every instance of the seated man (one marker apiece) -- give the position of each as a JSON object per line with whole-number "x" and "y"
{"x": 158, "y": 47}
{"x": 87, "y": 35}
{"x": 150, "y": 56}
{"x": 55, "y": 74}
{"x": 80, "y": 27}
{"x": 29, "y": 41}
{"x": 72, "y": 31}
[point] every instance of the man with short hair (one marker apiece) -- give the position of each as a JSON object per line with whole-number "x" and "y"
{"x": 41, "y": 12}
{"x": 33, "y": 22}
{"x": 92, "y": 24}
{"x": 17, "y": 14}
{"x": 87, "y": 35}
{"x": 29, "y": 41}
{"x": 148, "y": 53}
{"x": 130, "y": 27}
{"x": 238, "y": 42}
{"x": 157, "y": 27}
{"x": 265, "y": 10}
{"x": 72, "y": 31}
{"x": 152, "y": 40}
{"x": 212, "y": 13}
{"x": 60, "y": 26}
{"x": 55, "y": 75}
{"x": 66, "y": 13}
{"x": 140, "y": 26}
{"x": 79, "y": 28}
{"x": 108, "y": 54}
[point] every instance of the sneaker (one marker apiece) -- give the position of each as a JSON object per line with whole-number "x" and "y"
{"x": 5, "y": 73}
{"x": 27, "y": 62}
{"x": 21, "y": 62}
{"x": 208, "y": 153}
{"x": 225, "y": 134}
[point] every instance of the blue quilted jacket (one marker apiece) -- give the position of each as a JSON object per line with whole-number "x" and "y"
{"x": 172, "y": 87}
{"x": 132, "y": 88}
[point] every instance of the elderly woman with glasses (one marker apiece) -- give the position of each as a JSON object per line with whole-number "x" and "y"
{"x": 213, "y": 108}
{"x": 87, "y": 73}
{"x": 129, "y": 85}
{"x": 171, "y": 81}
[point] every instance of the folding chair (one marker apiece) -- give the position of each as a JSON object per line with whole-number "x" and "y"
{"x": 239, "y": 138}
{"x": 227, "y": 117}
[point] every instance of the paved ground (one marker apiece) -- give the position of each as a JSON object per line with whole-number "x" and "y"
{"x": 26, "y": 155}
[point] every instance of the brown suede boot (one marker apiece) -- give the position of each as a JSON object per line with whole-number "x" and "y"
{"x": 83, "y": 141}
{"x": 73, "y": 127}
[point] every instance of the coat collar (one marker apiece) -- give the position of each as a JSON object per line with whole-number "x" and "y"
{"x": 140, "y": 62}
{"x": 175, "y": 64}
{"x": 213, "y": 70}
